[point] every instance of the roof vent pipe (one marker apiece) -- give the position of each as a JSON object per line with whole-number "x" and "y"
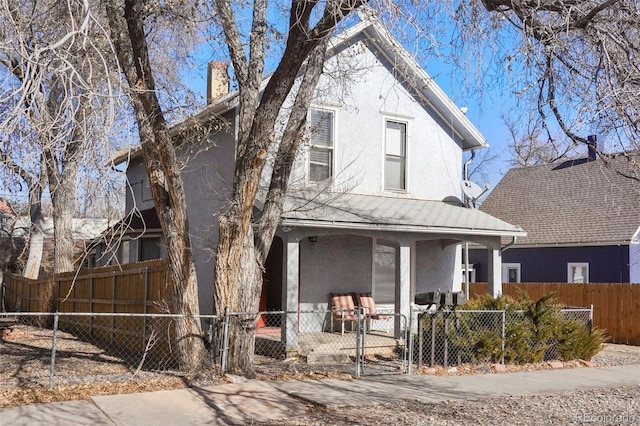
{"x": 592, "y": 147}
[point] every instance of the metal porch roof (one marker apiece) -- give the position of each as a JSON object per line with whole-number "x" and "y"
{"x": 382, "y": 213}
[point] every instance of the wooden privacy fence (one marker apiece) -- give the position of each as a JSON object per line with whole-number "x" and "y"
{"x": 130, "y": 288}
{"x": 137, "y": 288}
{"x": 616, "y": 307}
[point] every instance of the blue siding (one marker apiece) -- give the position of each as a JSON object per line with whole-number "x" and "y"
{"x": 608, "y": 264}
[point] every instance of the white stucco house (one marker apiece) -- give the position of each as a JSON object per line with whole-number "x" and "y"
{"x": 375, "y": 193}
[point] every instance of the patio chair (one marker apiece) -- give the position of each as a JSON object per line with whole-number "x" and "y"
{"x": 365, "y": 302}
{"x": 342, "y": 309}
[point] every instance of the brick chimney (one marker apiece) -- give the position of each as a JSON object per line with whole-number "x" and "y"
{"x": 217, "y": 80}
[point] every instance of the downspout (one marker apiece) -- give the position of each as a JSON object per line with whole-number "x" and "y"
{"x": 466, "y": 243}
{"x": 508, "y": 245}
{"x": 466, "y": 165}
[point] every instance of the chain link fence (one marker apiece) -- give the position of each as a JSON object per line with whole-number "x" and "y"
{"x": 321, "y": 342}
{"x": 455, "y": 337}
{"x": 38, "y": 348}
{"x": 76, "y": 348}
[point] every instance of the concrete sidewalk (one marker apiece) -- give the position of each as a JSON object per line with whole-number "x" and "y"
{"x": 244, "y": 403}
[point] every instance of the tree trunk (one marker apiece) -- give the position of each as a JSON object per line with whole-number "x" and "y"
{"x": 240, "y": 265}
{"x": 63, "y": 199}
{"x": 36, "y": 233}
{"x": 36, "y": 242}
{"x": 236, "y": 287}
{"x": 165, "y": 178}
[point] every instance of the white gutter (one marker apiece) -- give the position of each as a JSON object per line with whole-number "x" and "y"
{"x": 426, "y": 229}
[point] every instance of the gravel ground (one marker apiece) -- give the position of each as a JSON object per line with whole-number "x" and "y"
{"x": 607, "y": 406}
{"x": 611, "y": 406}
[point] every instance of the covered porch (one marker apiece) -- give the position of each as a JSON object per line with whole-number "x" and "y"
{"x": 390, "y": 247}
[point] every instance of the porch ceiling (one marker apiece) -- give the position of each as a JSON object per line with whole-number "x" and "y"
{"x": 370, "y": 212}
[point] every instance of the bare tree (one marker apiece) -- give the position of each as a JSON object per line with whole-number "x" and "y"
{"x": 239, "y": 257}
{"x": 576, "y": 59}
{"x": 530, "y": 145}
{"x": 127, "y": 21}
{"x": 54, "y": 109}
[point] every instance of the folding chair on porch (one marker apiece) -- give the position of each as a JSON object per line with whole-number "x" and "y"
{"x": 365, "y": 302}
{"x": 342, "y": 309}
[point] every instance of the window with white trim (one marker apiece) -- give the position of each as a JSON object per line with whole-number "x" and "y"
{"x": 510, "y": 272}
{"x": 395, "y": 155}
{"x": 321, "y": 141}
{"x": 578, "y": 272}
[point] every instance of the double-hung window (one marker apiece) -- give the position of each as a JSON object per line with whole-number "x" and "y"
{"x": 321, "y": 139}
{"x": 578, "y": 272}
{"x": 510, "y": 272}
{"x": 395, "y": 155}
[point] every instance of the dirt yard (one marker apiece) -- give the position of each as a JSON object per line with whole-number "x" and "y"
{"x": 83, "y": 370}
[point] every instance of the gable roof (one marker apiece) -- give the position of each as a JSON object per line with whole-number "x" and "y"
{"x": 405, "y": 66}
{"x": 578, "y": 202}
{"x": 381, "y": 213}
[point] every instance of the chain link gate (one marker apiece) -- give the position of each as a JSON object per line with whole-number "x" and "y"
{"x": 381, "y": 344}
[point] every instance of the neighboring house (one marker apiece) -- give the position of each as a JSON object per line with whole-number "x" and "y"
{"x": 15, "y": 239}
{"x": 374, "y": 204}
{"x": 581, "y": 217}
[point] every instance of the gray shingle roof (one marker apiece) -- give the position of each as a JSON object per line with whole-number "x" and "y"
{"x": 571, "y": 203}
{"x": 380, "y": 213}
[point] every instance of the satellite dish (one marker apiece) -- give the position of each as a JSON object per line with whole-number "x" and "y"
{"x": 471, "y": 190}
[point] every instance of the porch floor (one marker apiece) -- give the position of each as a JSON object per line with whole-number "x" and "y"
{"x": 329, "y": 344}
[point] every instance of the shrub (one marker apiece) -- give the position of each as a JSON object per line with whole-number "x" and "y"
{"x": 533, "y": 331}
{"x": 576, "y": 341}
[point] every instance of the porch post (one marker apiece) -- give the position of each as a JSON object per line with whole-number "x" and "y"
{"x": 494, "y": 278}
{"x": 403, "y": 290}
{"x": 291, "y": 272}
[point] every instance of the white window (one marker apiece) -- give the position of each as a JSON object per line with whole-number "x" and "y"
{"x": 384, "y": 273}
{"x": 395, "y": 155}
{"x": 321, "y": 139}
{"x": 578, "y": 272}
{"x": 510, "y": 272}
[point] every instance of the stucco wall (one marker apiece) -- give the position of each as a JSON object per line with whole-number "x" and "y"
{"x": 207, "y": 174}
{"x": 334, "y": 264}
{"x": 138, "y": 193}
{"x": 435, "y": 267}
{"x": 362, "y": 100}
{"x": 207, "y": 177}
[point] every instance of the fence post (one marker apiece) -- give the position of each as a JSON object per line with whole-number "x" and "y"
{"x": 445, "y": 349}
{"x": 358, "y": 348}
{"x": 504, "y": 318}
{"x": 144, "y": 307}
{"x": 433, "y": 338}
{"x": 410, "y": 337}
{"x": 53, "y": 349}
{"x": 113, "y": 305}
{"x": 421, "y": 317}
{"x": 591, "y": 319}
{"x": 225, "y": 340}
{"x": 91, "y": 305}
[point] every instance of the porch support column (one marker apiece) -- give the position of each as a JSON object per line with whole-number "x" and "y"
{"x": 291, "y": 274}
{"x": 494, "y": 278}
{"x": 403, "y": 290}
